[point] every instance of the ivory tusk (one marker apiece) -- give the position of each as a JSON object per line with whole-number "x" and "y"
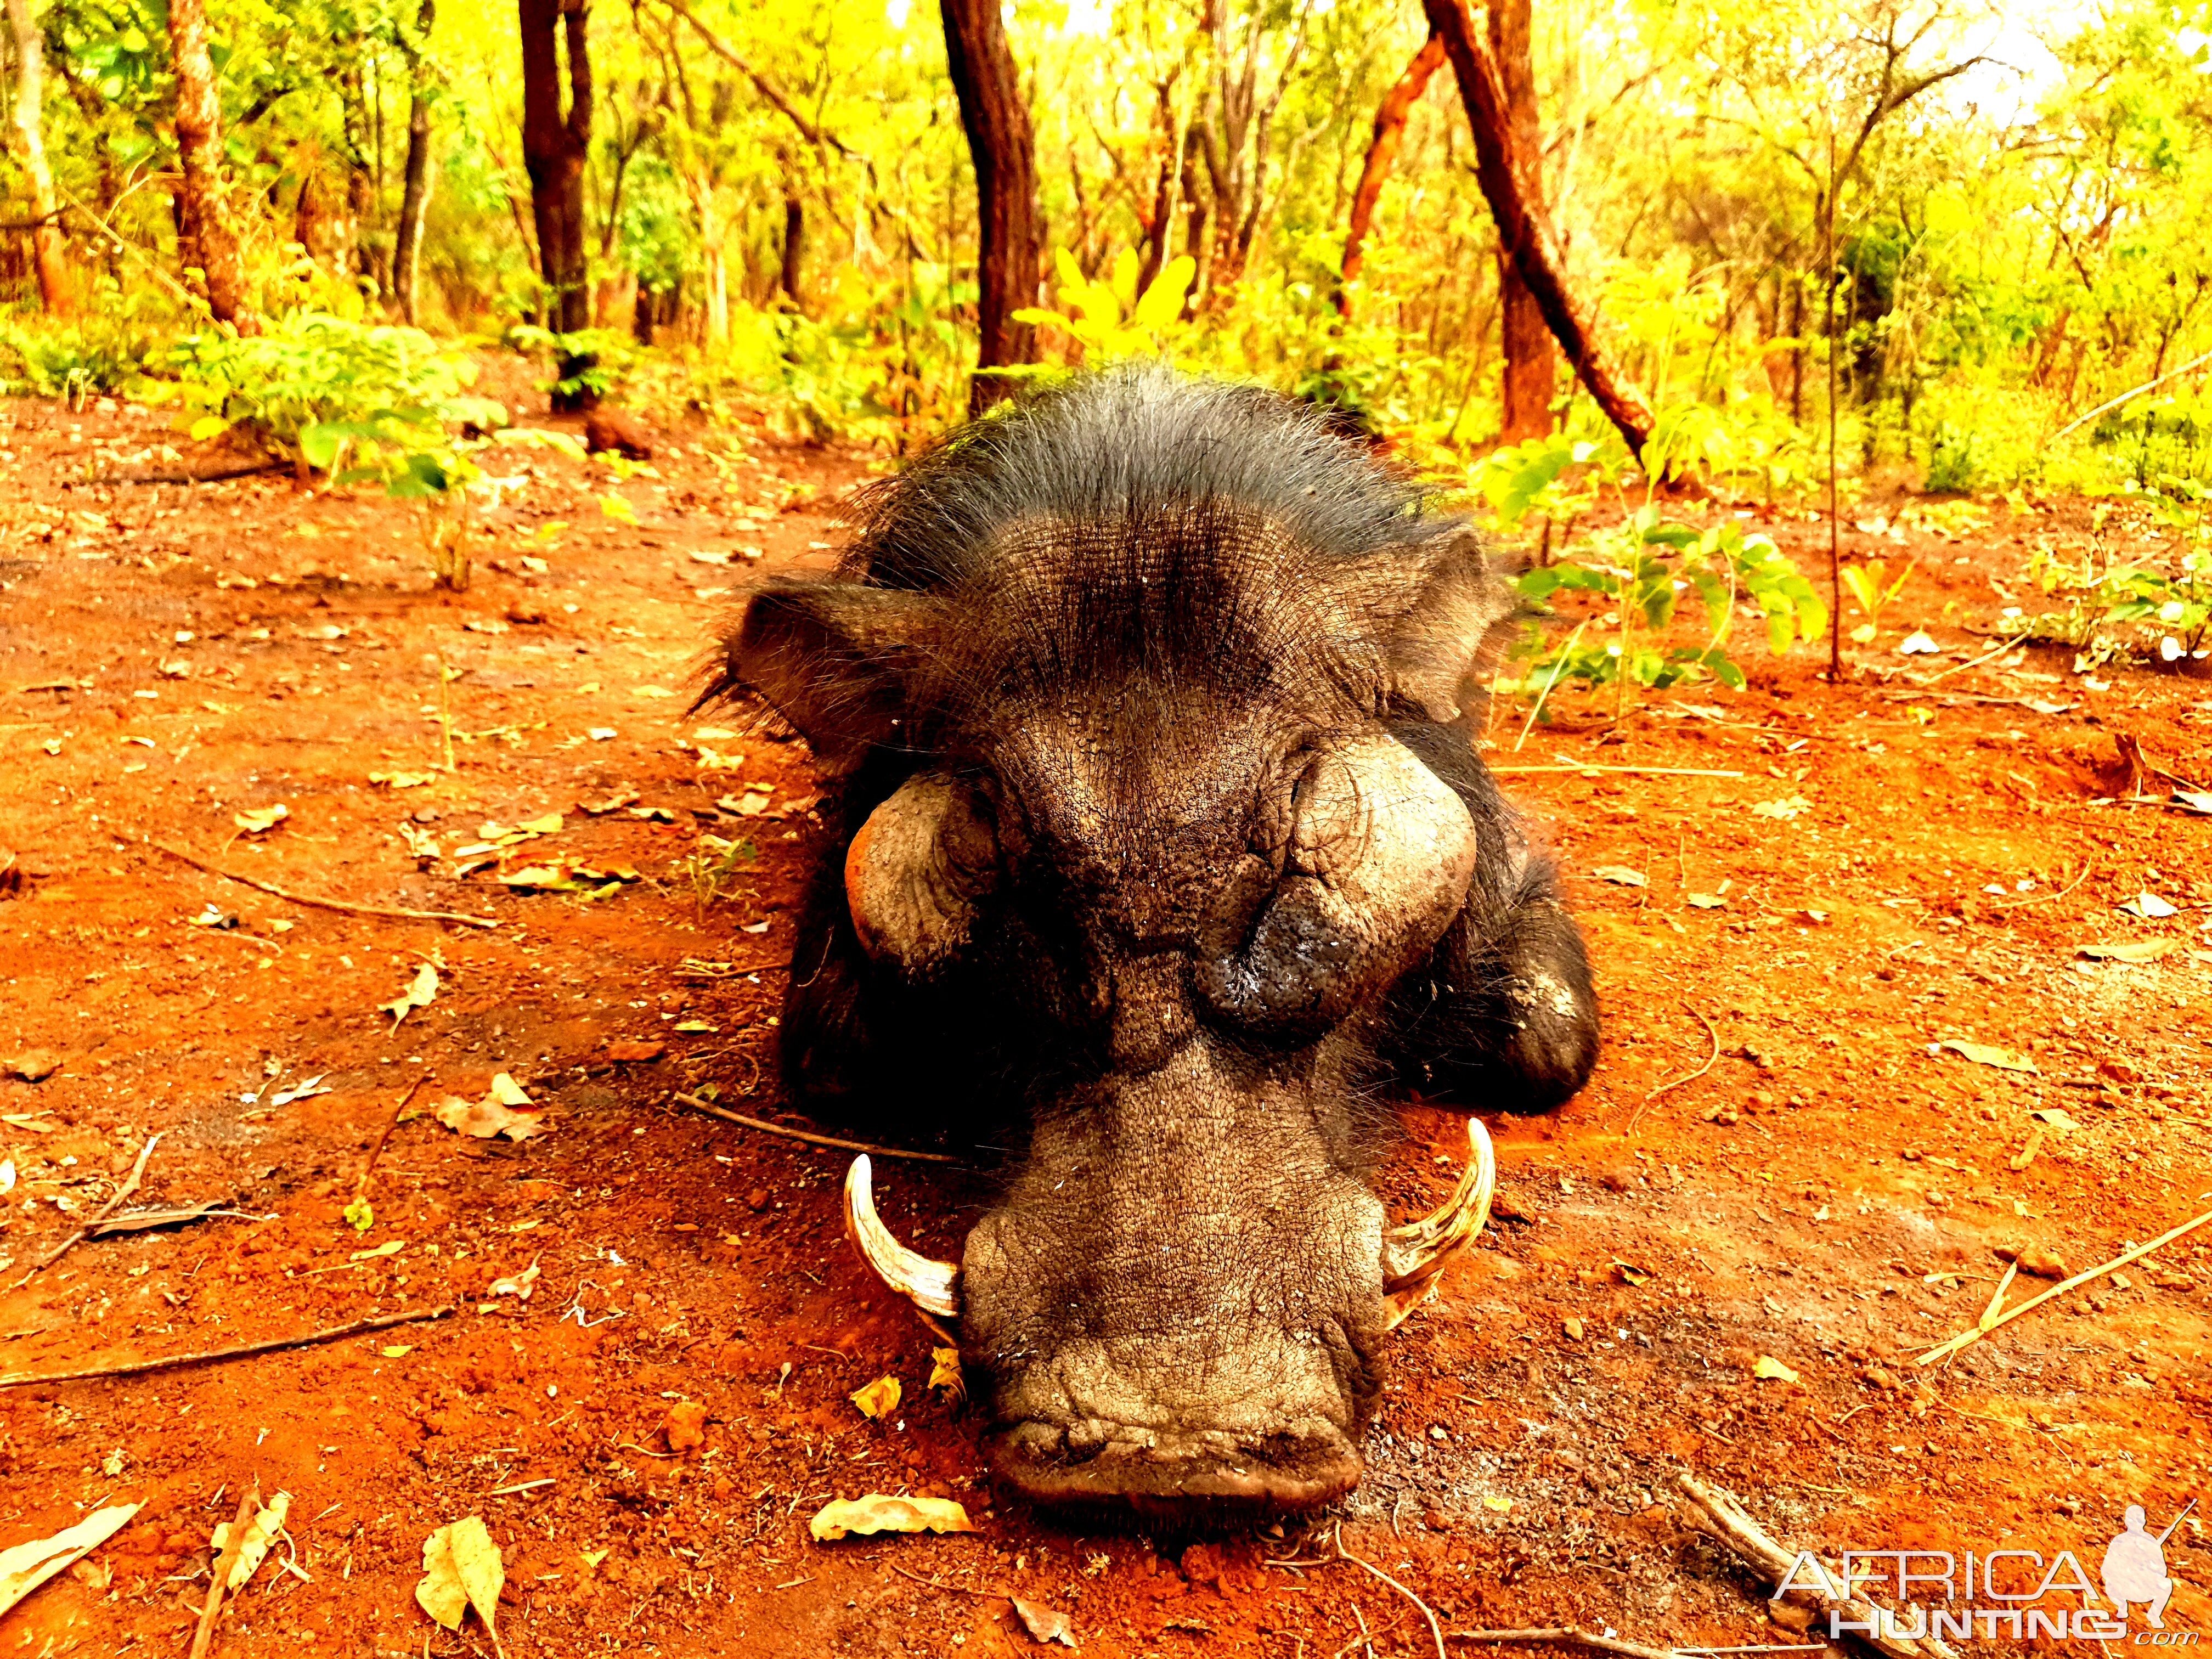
{"x": 1413, "y": 1255}
{"x": 932, "y": 1286}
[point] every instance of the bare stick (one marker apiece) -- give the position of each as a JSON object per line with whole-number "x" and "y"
{"x": 90, "y": 1227}
{"x": 1537, "y": 707}
{"x": 1961, "y": 668}
{"x": 1570, "y": 1636}
{"x": 137, "y": 1367}
{"x": 766, "y": 1127}
{"x": 1644, "y": 771}
{"x": 309, "y": 899}
{"x": 2126, "y": 396}
{"x": 1436, "y": 1629}
{"x": 1711, "y": 1031}
{"x": 234, "y": 1545}
{"x": 1945, "y": 1350}
{"x": 1774, "y": 1563}
{"x": 369, "y": 1165}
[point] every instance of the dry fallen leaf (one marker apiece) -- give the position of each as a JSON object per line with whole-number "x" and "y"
{"x": 256, "y": 820}
{"x": 506, "y": 1091}
{"x": 879, "y": 1398}
{"x": 24, "y": 1567}
{"x": 519, "y": 1286}
{"x": 420, "y": 995}
{"x": 260, "y": 1533}
{"x": 1620, "y": 875}
{"x": 461, "y": 1569}
{"x": 1044, "y": 1624}
{"x": 2148, "y": 906}
{"x": 402, "y": 780}
{"x": 881, "y": 1512}
{"x": 1983, "y": 1054}
{"x": 482, "y": 1118}
{"x": 1768, "y": 1366}
{"x": 2146, "y": 949}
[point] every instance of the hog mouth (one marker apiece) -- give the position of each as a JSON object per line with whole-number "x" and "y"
{"x": 1259, "y": 1466}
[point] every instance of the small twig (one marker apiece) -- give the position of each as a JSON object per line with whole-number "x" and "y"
{"x": 221, "y": 474}
{"x": 1568, "y": 1635}
{"x": 1649, "y": 771}
{"x": 2089, "y": 864}
{"x": 234, "y": 1545}
{"x": 1961, "y": 668}
{"x": 1945, "y": 1350}
{"x": 368, "y": 1164}
{"x": 307, "y": 899}
{"x": 1436, "y": 1629}
{"x": 138, "y": 1367}
{"x": 934, "y": 1583}
{"x": 1711, "y": 1031}
{"x": 1775, "y": 1562}
{"x": 766, "y": 1127}
{"x": 1537, "y": 707}
{"x": 90, "y": 1227}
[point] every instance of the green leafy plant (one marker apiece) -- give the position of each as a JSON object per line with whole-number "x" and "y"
{"x": 440, "y": 474}
{"x": 1870, "y": 586}
{"x": 711, "y": 869}
{"x": 1110, "y": 320}
{"x": 310, "y": 369}
{"x": 591, "y": 362}
{"x": 1642, "y": 568}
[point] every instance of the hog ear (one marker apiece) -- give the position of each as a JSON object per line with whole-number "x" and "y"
{"x": 836, "y": 660}
{"x": 1446, "y": 600}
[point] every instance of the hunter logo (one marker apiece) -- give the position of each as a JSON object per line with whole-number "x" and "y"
{"x": 2004, "y": 1592}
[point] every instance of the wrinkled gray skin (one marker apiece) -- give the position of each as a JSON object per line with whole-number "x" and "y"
{"x": 1161, "y": 858}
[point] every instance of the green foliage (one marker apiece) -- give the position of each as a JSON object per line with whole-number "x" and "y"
{"x": 308, "y": 370}
{"x": 1110, "y": 320}
{"x": 1638, "y": 571}
{"x": 711, "y": 870}
{"x": 73, "y": 362}
{"x": 594, "y": 361}
{"x": 2159, "y": 609}
{"x": 1869, "y": 584}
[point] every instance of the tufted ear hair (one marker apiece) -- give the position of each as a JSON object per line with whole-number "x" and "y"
{"x": 1428, "y": 607}
{"x": 835, "y": 658}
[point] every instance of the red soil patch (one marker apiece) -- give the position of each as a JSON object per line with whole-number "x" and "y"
{"x": 1829, "y": 1193}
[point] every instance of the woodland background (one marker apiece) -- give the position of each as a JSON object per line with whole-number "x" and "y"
{"x": 1959, "y": 230}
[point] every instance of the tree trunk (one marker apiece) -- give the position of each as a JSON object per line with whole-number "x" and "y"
{"x": 210, "y": 245}
{"x": 1381, "y": 153}
{"x": 1507, "y": 178}
{"x": 794, "y": 249}
{"x": 554, "y": 149}
{"x": 1003, "y": 147}
{"x": 414, "y": 188}
{"x": 47, "y": 249}
{"x": 1532, "y": 367}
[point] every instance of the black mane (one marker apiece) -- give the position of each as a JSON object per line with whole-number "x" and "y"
{"x": 1134, "y": 445}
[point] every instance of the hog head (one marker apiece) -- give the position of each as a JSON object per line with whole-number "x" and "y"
{"x": 1134, "y": 843}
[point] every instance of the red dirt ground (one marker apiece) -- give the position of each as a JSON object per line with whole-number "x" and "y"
{"x": 1828, "y": 1193}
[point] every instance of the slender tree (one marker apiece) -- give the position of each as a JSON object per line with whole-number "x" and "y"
{"x": 207, "y": 243}
{"x": 1531, "y": 365}
{"x": 47, "y": 249}
{"x": 554, "y": 147}
{"x": 1507, "y": 175}
{"x": 1390, "y": 119}
{"x": 415, "y": 186}
{"x": 1003, "y": 146}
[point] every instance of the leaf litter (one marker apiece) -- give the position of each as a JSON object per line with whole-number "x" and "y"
{"x": 461, "y": 1569}
{"x": 880, "y": 1512}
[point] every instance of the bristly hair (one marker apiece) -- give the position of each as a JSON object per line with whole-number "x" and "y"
{"x": 1131, "y": 443}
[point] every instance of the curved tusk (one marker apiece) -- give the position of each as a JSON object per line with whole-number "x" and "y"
{"x": 1413, "y": 1255}
{"x": 932, "y": 1286}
